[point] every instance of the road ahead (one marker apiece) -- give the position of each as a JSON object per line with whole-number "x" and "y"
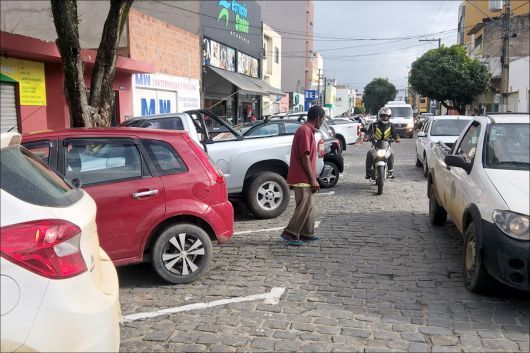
{"x": 381, "y": 278}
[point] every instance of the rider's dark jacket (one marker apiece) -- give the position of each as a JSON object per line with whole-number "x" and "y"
{"x": 379, "y": 131}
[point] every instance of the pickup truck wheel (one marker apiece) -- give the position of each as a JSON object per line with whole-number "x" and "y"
{"x": 182, "y": 253}
{"x": 437, "y": 214}
{"x": 268, "y": 195}
{"x": 418, "y": 162}
{"x": 342, "y": 142}
{"x": 476, "y": 278}
{"x": 331, "y": 181}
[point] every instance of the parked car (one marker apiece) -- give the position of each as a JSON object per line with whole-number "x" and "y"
{"x": 159, "y": 198}
{"x": 483, "y": 184}
{"x": 59, "y": 289}
{"x": 346, "y": 131}
{"x": 164, "y": 122}
{"x": 445, "y": 128}
{"x": 255, "y": 168}
{"x": 332, "y": 152}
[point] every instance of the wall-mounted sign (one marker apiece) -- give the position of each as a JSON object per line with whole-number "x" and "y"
{"x": 218, "y": 55}
{"x": 247, "y": 65}
{"x": 30, "y": 77}
{"x": 236, "y": 23}
{"x": 159, "y": 94}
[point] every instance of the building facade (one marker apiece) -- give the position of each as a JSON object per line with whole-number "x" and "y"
{"x": 272, "y": 69}
{"x": 344, "y": 100}
{"x": 288, "y": 18}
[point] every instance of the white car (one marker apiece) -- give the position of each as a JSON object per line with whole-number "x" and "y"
{"x": 483, "y": 185}
{"x": 346, "y": 131}
{"x": 59, "y": 289}
{"x": 444, "y": 128}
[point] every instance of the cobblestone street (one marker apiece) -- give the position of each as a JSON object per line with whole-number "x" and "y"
{"x": 380, "y": 279}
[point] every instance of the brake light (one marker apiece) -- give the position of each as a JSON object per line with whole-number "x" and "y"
{"x": 321, "y": 149}
{"x": 210, "y": 166}
{"x": 49, "y": 247}
{"x": 337, "y": 145}
{"x": 358, "y": 130}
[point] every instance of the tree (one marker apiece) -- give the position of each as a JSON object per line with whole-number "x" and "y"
{"x": 377, "y": 93}
{"x": 94, "y": 109}
{"x": 359, "y": 110}
{"x": 448, "y": 74}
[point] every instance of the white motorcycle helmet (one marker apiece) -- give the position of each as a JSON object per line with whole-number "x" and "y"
{"x": 384, "y": 114}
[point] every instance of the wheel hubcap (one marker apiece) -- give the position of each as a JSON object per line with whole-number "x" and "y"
{"x": 270, "y": 195}
{"x": 470, "y": 256}
{"x": 183, "y": 255}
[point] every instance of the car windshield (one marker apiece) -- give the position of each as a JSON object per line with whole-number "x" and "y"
{"x": 507, "y": 147}
{"x": 448, "y": 127}
{"x": 401, "y": 112}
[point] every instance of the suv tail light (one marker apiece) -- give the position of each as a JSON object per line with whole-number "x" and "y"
{"x": 321, "y": 149}
{"x": 49, "y": 247}
{"x": 210, "y": 166}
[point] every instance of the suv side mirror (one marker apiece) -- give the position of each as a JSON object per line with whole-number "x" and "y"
{"x": 458, "y": 162}
{"x": 422, "y": 134}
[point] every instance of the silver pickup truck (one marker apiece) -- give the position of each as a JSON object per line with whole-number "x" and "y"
{"x": 255, "y": 167}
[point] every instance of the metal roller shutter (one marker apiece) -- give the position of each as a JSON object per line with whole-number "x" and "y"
{"x": 8, "y": 107}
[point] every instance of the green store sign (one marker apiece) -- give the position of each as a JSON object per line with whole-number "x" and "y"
{"x": 238, "y": 10}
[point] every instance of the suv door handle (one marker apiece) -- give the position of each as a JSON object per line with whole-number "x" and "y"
{"x": 137, "y": 195}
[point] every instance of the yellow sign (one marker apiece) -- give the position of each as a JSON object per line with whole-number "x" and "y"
{"x": 30, "y": 78}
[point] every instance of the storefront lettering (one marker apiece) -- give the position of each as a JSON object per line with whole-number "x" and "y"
{"x": 240, "y": 10}
{"x": 148, "y": 110}
{"x": 142, "y": 79}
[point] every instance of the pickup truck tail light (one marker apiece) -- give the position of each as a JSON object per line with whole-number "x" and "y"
{"x": 49, "y": 247}
{"x": 210, "y": 166}
{"x": 321, "y": 149}
{"x": 358, "y": 130}
{"x": 336, "y": 143}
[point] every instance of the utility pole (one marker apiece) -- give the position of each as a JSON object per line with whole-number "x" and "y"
{"x": 439, "y": 40}
{"x": 319, "y": 78}
{"x": 505, "y": 59}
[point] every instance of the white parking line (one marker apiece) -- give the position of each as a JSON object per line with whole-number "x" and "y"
{"x": 275, "y": 229}
{"x": 272, "y": 297}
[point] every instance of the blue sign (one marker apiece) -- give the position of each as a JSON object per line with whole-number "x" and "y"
{"x": 311, "y": 94}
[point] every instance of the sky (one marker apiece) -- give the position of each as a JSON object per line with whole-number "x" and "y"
{"x": 339, "y": 26}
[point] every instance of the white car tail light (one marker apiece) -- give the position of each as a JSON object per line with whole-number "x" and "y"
{"x": 321, "y": 149}
{"x": 49, "y": 247}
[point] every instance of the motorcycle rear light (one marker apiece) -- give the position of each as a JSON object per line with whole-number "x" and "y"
{"x": 49, "y": 247}
{"x": 321, "y": 149}
{"x": 210, "y": 166}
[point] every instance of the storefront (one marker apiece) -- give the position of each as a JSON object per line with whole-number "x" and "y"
{"x": 159, "y": 94}
{"x": 32, "y": 84}
{"x": 232, "y": 49}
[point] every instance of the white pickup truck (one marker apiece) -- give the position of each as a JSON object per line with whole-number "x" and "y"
{"x": 482, "y": 183}
{"x": 255, "y": 168}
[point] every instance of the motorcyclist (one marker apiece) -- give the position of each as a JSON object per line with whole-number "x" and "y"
{"x": 382, "y": 129}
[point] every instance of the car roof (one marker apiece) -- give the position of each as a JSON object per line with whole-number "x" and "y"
{"x": 108, "y": 132}
{"x": 451, "y": 117}
{"x": 509, "y": 118}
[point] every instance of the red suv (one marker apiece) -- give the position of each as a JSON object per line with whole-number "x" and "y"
{"x": 157, "y": 194}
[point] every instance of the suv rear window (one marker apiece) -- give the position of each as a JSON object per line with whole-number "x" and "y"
{"x": 24, "y": 176}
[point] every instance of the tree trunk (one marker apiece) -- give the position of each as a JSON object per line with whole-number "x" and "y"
{"x": 66, "y": 24}
{"x": 101, "y": 90}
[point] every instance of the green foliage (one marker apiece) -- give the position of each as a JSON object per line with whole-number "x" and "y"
{"x": 448, "y": 74}
{"x": 377, "y": 93}
{"x": 359, "y": 110}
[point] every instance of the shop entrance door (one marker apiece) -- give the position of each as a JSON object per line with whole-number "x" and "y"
{"x": 8, "y": 107}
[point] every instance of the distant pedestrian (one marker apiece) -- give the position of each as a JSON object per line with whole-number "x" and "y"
{"x": 302, "y": 178}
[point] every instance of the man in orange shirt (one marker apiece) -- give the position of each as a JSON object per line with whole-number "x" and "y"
{"x": 302, "y": 179}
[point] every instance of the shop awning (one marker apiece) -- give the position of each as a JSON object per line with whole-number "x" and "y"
{"x": 246, "y": 83}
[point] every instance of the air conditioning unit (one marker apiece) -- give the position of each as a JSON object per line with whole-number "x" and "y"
{"x": 495, "y": 5}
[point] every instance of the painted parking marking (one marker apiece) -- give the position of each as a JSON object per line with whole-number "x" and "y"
{"x": 272, "y": 297}
{"x": 275, "y": 229}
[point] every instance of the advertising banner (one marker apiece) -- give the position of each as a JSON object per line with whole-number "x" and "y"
{"x": 30, "y": 77}
{"x": 218, "y": 55}
{"x": 247, "y": 65}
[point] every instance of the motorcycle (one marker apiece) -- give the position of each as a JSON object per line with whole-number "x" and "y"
{"x": 380, "y": 152}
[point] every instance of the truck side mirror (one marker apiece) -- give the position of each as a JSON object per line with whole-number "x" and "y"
{"x": 458, "y": 162}
{"x": 421, "y": 134}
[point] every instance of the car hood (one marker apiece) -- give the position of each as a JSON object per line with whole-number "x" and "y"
{"x": 444, "y": 139}
{"x": 513, "y": 187}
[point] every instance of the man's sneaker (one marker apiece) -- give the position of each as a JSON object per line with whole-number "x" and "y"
{"x": 304, "y": 237}
{"x": 367, "y": 176}
{"x": 391, "y": 174}
{"x": 291, "y": 239}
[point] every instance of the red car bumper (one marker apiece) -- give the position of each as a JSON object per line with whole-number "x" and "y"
{"x": 222, "y": 220}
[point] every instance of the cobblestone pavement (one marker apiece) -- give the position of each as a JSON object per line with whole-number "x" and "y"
{"x": 380, "y": 279}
